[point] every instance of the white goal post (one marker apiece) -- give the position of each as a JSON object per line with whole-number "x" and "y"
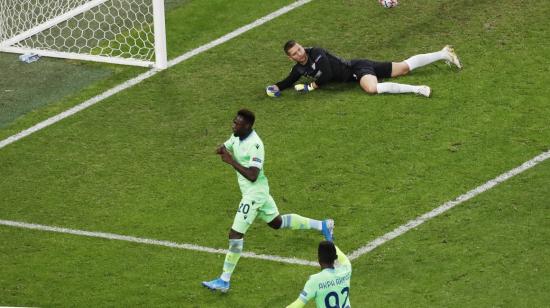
{"x": 130, "y": 32}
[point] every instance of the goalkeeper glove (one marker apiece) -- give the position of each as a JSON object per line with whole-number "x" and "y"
{"x": 304, "y": 88}
{"x": 272, "y": 91}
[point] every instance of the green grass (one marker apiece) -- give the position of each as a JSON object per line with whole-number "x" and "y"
{"x": 489, "y": 252}
{"x": 24, "y": 89}
{"x": 50, "y": 86}
{"x": 141, "y": 163}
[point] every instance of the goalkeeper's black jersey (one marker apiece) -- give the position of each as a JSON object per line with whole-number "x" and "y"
{"x": 322, "y": 66}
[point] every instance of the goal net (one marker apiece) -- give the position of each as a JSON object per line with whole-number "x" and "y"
{"x": 127, "y": 32}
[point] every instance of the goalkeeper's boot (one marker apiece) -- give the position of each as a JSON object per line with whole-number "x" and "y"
{"x": 424, "y": 91}
{"x": 328, "y": 229}
{"x": 217, "y": 284}
{"x": 451, "y": 56}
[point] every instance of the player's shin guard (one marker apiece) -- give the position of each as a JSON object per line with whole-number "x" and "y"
{"x": 424, "y": 59}
{"x": 231, "y": 258}
{"x": 297, "y": 222}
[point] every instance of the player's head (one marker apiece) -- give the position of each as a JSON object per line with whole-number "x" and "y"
{"x": 243, "y": 122}
{"x": 327, "y": 254}
{"x": 295, "y": 52}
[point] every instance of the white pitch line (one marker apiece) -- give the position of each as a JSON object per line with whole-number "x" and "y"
{"x": 133, "y": 239}
{"x": 447, "y": 206}
{"x": 352, "y": 256}
{"x": 96, "y": 99}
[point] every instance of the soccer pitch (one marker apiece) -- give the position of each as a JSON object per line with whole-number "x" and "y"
{"x": 140, "y": 163}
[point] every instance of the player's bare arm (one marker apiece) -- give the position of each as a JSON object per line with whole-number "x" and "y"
{"x": 250, "y": 173}
{"x": 220, "y": 149}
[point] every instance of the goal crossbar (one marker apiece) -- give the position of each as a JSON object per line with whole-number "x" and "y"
{"x": 50, "y": 23}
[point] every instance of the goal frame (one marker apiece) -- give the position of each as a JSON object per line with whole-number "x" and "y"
{"x": 160, "y": 61}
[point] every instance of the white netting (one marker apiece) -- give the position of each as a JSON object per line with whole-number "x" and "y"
{"x": 110, "y": 28}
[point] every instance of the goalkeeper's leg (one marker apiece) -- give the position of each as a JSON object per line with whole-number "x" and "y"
{"x": 370, "y": 84}
{"x": 446, "y": 54}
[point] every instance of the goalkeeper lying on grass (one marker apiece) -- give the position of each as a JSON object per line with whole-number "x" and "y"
{"x": 323, "y": 67}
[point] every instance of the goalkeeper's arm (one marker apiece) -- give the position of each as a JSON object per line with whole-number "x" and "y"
{"x": 305, "y": 87}
{"x": 289, "y": 80}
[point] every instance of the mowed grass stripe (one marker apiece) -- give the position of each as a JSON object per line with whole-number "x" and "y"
{"x": 448, "y": 205}
{"x": 127, "y": 238}
{"x": 132, "y": 82}
{"x": 354, "y": 255}
{"x": 379, "y": 180}
{"x": 142, "y": 162}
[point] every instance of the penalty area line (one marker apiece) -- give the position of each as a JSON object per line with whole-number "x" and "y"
{"x": 133, "y": 239}
{"x": 125, "y": 85}
{"x": 448, "y": 205}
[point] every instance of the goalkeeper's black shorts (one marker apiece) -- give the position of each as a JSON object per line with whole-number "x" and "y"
{"x": 364, "y": 67}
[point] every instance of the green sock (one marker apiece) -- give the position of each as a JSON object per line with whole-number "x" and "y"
{"x": 295, "y": 222}
{"x": 231, "y": 258}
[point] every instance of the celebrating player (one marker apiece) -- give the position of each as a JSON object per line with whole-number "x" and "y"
{"x": 329, "y": 287}
{"x": 244, "y": 151}
{"x": 323, "y": 67}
